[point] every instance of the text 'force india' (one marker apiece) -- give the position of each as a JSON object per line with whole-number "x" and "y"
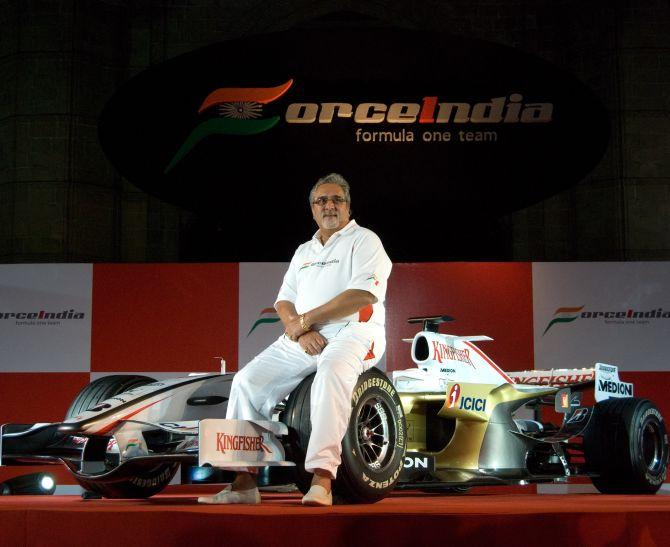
{"x": 454, "y": 422}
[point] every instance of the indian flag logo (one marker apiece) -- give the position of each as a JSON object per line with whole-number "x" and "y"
{"x": 239, "y": 111}
{"x": 374, "y": 278}
{"x": 267, "y": 315}
{"x": 305, "y": 265}
{"x": 563, "y": 315}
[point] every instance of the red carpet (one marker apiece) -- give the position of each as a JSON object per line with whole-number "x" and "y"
{"x": 406, "y": 518}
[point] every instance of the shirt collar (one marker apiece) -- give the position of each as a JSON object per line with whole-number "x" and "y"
{"x": 350, "y": 226}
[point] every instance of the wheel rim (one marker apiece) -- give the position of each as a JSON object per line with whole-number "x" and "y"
{"x": 652, "y": 447}
{"x": 375, "y": 429}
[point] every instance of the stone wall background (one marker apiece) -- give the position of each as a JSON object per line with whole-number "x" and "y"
{"x": 60, "y": 60}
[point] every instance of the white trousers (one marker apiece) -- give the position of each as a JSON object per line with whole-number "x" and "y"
{"x": 274, "y": 373}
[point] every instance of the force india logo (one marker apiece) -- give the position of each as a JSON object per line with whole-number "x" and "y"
{"x": 267, "y": 315}
{"x": 568, "y": 315}
{"x": 240, "y": 110}
{"x": 245, "y": 443}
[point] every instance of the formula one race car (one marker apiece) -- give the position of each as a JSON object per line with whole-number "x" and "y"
{"x": 454, "y": 422}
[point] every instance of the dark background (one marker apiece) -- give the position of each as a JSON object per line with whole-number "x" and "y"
{"x": 62, "y": 201}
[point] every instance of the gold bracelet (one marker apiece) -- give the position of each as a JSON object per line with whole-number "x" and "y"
{"x": 303, "y": 324}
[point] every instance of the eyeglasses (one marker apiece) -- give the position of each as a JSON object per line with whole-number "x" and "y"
{"x": 323, "y": 200}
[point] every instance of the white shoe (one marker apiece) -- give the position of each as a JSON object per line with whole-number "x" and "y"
{"x": 228, "y": 495}
{"x": 318, "y": 497}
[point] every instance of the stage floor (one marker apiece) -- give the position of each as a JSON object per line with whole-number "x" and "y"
{"x": 405, "y": 518}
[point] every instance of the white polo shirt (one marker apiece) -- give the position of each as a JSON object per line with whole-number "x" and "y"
{"x": 352, "y": 258}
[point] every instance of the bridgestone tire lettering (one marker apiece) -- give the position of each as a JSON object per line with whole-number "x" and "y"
{"x": 358, "y": 481}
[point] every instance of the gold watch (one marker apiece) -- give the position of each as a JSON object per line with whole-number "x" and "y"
{"x": 303, "y": 324}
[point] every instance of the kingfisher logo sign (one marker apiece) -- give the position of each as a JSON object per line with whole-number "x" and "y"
{"x": 231, "y": 122}
{"x": 243, "y": 443}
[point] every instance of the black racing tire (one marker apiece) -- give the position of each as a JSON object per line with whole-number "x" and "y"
{"x": 104, "y": 388}
{"x": 145, "y": 482}
{"x": 373, "y": 447}
{"x": 626, "y": 445}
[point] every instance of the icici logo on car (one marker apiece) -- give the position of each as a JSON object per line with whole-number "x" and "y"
{"x": 454, "y": 394}
{"x": 246, "y": 443}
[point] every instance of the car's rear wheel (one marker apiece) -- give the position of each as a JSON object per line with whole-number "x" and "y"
{"x": 145, "y": 482}
{"x": 626, "y": 445}
{"x": 373, "y": 446}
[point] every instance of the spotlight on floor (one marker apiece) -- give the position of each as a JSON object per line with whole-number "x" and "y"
{"x": 31, "y": 485}
{"x": 192, "y": 474}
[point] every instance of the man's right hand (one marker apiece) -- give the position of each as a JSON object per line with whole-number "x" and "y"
{"x": 312, "y": 342}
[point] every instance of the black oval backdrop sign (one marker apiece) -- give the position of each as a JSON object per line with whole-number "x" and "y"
{"x": 431, "y": 130}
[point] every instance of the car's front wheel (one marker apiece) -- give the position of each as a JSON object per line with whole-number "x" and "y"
{"x": 373, "y": 447}
{"x": 143, "y": 482}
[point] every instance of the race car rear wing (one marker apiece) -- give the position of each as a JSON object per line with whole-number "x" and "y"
{"x": 605, "y": 379}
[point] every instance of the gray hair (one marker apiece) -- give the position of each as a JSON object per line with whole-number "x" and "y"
{"x": 331, "y": 178}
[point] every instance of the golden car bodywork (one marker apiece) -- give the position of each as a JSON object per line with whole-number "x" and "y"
{"x": 480, "y": 441}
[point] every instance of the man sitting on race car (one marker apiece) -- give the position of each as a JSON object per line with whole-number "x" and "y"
{"x": 331, "y": 304}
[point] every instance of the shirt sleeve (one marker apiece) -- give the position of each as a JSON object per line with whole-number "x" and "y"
{"x": 370, "y": 266}
{"x": 289, "y": 287}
